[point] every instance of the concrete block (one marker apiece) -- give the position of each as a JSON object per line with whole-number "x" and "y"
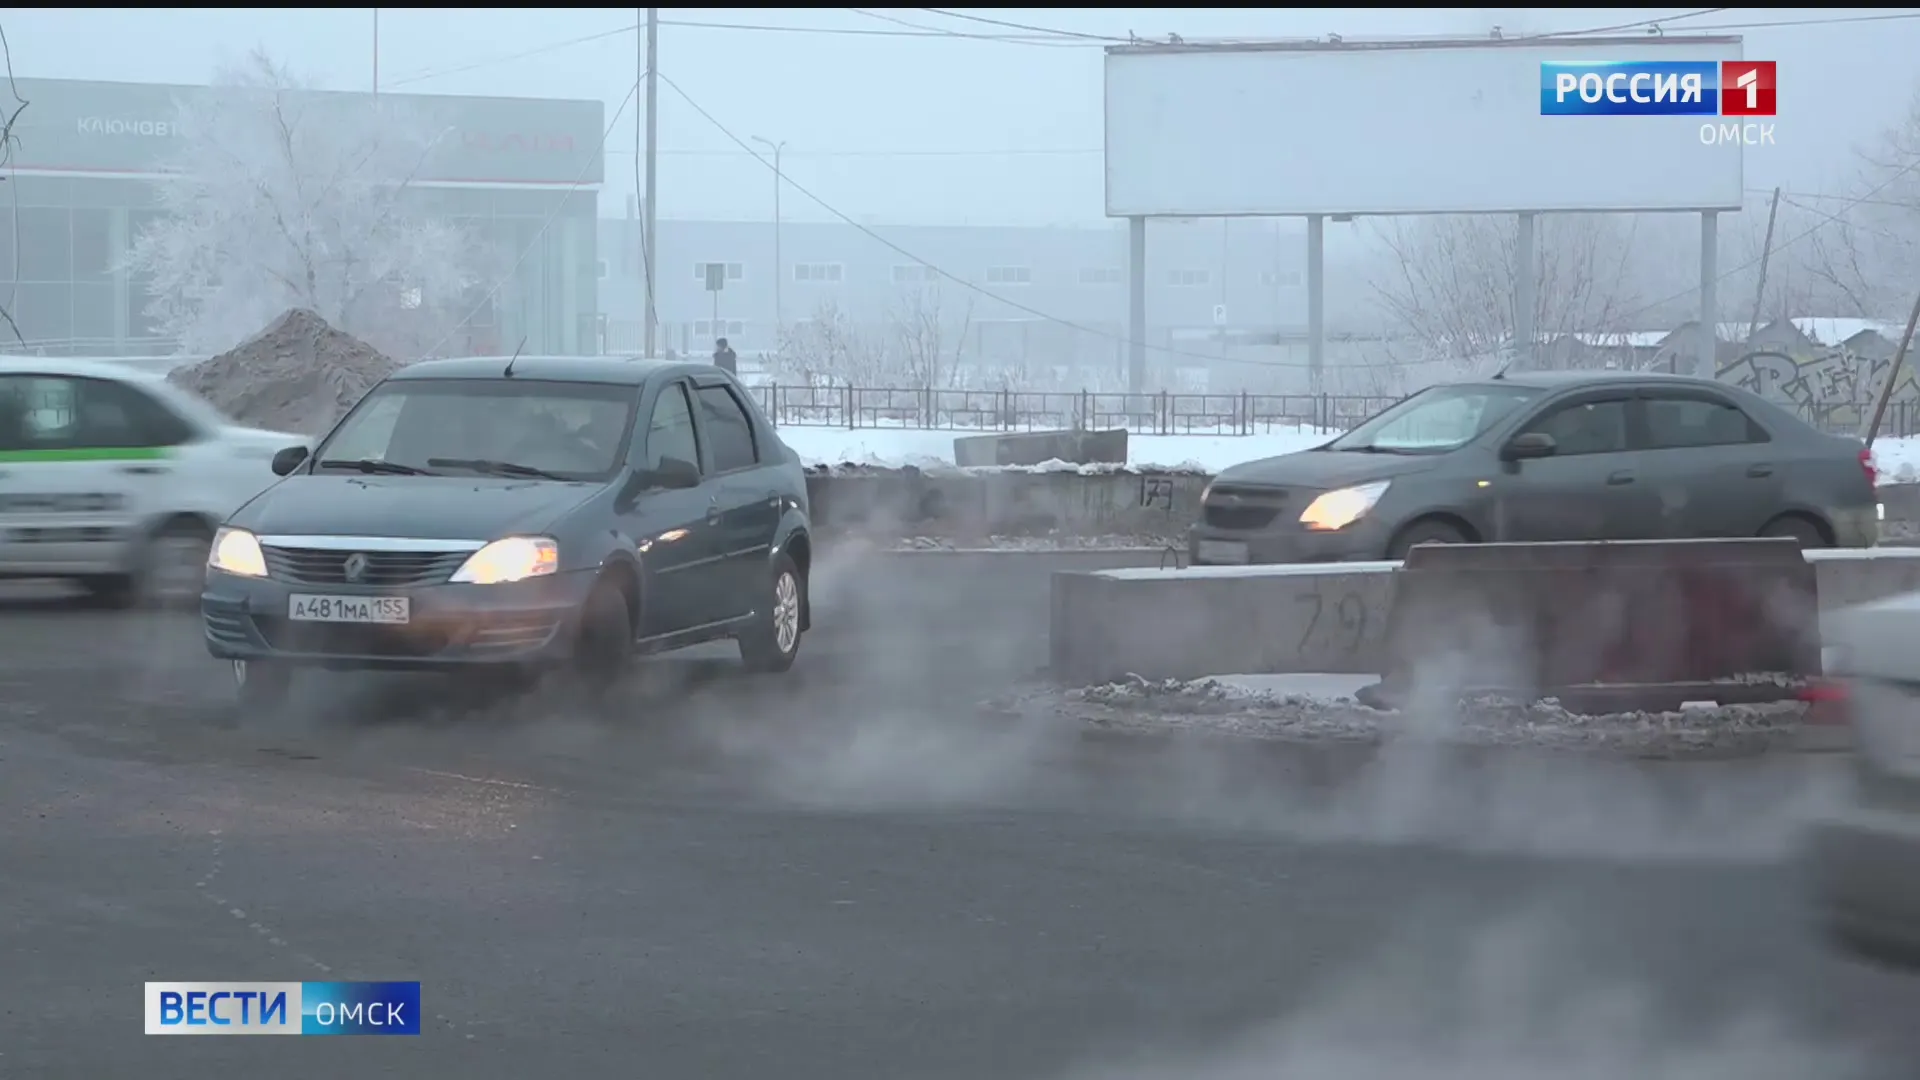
{"x": 1038, "y": 447}
{"x": 1184, "y": 624}
{"x": 1331, "y": 617}
{"x": 974, "y": 505}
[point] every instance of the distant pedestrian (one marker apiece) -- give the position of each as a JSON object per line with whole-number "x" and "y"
{"x": 724, "y": 357}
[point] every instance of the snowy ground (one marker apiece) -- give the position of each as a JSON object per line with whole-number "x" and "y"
{"x": 1898, "y": 459}
{"x": 1321, "y": 709}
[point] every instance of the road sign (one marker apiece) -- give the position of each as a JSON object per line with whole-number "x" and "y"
{"x": 1219, "y": 314}
{"x": 716, "y": 276}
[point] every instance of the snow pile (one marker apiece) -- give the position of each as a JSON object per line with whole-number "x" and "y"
{"x": 298, "y": 375}
{"x": 1209, "y": 706}
{"x": 1174, "y": 549}
{"x": 887, "y": 447}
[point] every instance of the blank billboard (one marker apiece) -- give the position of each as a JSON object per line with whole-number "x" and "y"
{"x": 1428, "y": 127}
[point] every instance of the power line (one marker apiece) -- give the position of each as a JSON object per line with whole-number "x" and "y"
{"x": 959, "y": 34}
{"x": 1641, "y": 24}
{"x": 1827, "y": 20}
{"x": 538, "y": 235}
{"x": 948, "y": 275}
{"x": 979, "y": 153}
{"x": 507, "y": 58}
{"x": 1048, "y": 31}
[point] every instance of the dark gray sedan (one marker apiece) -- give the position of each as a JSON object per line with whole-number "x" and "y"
{"x": 1546, "y": 456}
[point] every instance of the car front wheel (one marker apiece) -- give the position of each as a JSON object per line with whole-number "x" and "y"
{"x": 774, "y": 641}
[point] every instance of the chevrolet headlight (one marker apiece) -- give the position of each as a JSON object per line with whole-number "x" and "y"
{"x": 512, "y": 558}
{"x": 237, "y": 551}
{"x": 1341, "y": 508}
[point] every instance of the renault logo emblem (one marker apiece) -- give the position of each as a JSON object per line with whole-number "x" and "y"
{"x": 356, "y": 566}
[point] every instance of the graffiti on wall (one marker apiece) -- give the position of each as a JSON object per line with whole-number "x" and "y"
{"x": 1825, "y": 375}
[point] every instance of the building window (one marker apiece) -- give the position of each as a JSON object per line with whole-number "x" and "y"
{"x": 728, "y": 328}
{"x": 1189, "y": 279}
{"x": 600, "y": 269}
{"x": 1101, "y": 275}
{"x": 914, "y": 275}
{"x": 734, "y": 272}
{"x": 1280, "y": 279}
{"x": 816, "y": 271}
{"x": 1009, "y": 275}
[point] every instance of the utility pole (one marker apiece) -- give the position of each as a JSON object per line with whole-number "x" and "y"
{"x": 1766, "y": 250}
{"x": 376, "y": 52}
{"x": 649, "y": 240}
{"x": 1893, "y": 374}
{"x": 779, "y": 314}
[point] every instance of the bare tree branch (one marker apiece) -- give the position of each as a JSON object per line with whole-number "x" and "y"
{"x": 9, "y": 117}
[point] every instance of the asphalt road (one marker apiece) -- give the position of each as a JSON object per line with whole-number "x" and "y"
{"x": 846, "y": 873}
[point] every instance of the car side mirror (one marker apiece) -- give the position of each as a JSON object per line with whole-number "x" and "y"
{"x": 673, "y": 474}
{"x": 289, "y": 459}
{"x": 1528, "y": 445}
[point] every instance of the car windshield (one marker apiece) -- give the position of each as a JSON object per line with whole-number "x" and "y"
{"x": 499, "y": 427}
{"x": 1435, "y": 420}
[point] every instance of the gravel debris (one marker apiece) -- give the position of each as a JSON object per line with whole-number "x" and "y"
{"x": 1208, "y": 707}
{"x": 299, "y": 375}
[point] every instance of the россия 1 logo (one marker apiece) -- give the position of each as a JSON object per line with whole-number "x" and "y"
{"x": 1728, "y": 88}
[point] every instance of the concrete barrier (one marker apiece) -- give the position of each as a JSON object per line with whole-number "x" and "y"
{"x": 972, "y": 505}
{"x": 1328, "y": 617}
{"x": 1037, "y": 447}
{"x": 1024, "y": 501}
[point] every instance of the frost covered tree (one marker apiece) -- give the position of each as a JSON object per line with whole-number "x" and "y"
{"x": 281, "y": 198}
{"x": 1867, "y": 255}
{"x": 1449, "y": 286}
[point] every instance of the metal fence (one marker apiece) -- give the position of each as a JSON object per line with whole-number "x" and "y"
{"x": 1161, "y": 413}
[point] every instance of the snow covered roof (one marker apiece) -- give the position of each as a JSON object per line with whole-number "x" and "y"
{"x": 1829, "y": 331}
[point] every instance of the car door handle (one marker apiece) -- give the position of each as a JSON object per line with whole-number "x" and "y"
{"x": 1621, "y": 477}
{"x": 1759, "y": 471}
{"x": 144, "y": 470}
{"x": 713, "y": 515}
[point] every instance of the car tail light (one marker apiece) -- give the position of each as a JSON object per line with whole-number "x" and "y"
{"x": 1866, "y": 465}
{"x": 1828, "y": 704}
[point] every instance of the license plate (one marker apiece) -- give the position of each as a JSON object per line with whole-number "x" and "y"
{"x": 392, "y": 610}
{"x": 1221, "y": 551}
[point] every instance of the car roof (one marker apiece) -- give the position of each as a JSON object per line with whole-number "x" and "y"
{"x": 620, "y": 370}
{"x": 1561, "y": 380}
{"x": 58, "y": 366}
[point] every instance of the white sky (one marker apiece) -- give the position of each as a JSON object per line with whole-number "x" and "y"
{"x": 950, "y": 124}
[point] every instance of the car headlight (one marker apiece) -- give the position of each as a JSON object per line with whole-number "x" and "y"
{"x": 512, "y": 558}
{"x": 237, "y": 551}
{"x": 1341, "y": 508}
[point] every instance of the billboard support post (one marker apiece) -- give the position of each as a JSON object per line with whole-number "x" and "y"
{"x": 1137, "y": 305}
{"x": 1316, "y": 303}
{"x": 1526, "y": 277}
{"x": 1705, "y": 361}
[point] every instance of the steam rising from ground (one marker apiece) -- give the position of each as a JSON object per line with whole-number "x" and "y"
{"x": 1497, "y": 1005}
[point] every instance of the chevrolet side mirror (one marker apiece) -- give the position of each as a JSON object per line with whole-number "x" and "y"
{"x": 289, "y": 459}
{"x": 1529, "y": 445}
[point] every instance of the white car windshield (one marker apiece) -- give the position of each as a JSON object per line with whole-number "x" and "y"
{"x": 503, "y": 427}
{"x": 1435, "y": 420}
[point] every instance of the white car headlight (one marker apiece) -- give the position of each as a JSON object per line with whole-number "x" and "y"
{"x": 237, "y": 551}
{"x": 1341, "y": 508}
{"x": 512, "y": 558}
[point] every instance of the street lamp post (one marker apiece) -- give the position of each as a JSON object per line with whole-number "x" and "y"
{"x": 779, "y": 314}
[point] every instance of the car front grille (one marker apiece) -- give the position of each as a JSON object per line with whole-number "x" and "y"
{"x": 385, "y": 569}
{"x": 351, "y": 639}
{"x": 1231, "y": 507}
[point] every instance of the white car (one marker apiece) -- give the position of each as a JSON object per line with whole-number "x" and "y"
{"x": 1863, "y": 855}
{"x": 116, "y": 479}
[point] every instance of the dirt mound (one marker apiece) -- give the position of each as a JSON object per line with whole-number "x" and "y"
{"x": 298, "y": 375}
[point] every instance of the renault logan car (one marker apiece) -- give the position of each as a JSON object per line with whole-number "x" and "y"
{"x": 1541, "y": 457}
{"x": 516, "y": 515}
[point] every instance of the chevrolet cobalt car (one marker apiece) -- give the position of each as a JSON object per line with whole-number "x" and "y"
{"x": 514, "y": 517}
{"x": 1546, "y": 456}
